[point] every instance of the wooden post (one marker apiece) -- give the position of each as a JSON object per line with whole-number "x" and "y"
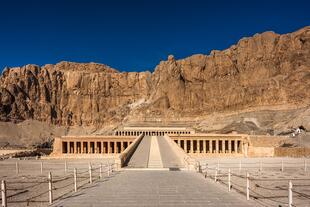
{"x": 229, "y": 183}
{"x": 247, "y": 186}
{"x": 90, "y": 174}
{"x": 100, "y": 171}
{"x": 215, "y": 176}
{"x": 75, "y": 181}
{"x": 17, "y": 168}
{"x": 41, "y": 167}
{"x": 3, "y": 193}
{"x": 282, "y": 166}
{"x": 50, "y": 188}
{"x": 290, "y": 194}
{"x": 66, "y": 166}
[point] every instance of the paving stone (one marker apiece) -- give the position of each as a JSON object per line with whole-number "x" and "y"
{"x": 140, "y": 157}
{"x": 155, "y": 188}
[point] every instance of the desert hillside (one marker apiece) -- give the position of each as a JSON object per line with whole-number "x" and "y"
{"x": 267, "y": 73}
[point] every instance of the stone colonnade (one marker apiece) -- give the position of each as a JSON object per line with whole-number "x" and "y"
{"x": 151, "y": 132}
{"x": 211, "y": 145}
{"x": 94, "y": 146}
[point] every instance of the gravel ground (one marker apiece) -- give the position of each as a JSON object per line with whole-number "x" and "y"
{"x": 268, "y": 183}
{"x": 29, "y": 187}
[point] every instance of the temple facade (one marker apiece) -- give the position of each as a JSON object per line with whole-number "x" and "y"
{"x": 190, "y": 142}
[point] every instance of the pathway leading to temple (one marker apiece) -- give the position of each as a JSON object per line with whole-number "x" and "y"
{"x": 155, "y": 188}
{"x": 155, "y": 160}
{"x": 154, "y": 152}
{"x": 140, "y": 158}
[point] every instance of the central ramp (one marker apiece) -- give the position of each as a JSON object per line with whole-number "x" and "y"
{"x": 170, "y": 159}
{"x": 140, "y": 157}
{"x": 155, "y": 160}
{"x": 154, "y": 152}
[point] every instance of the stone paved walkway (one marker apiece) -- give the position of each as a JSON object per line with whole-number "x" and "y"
{"x": 155, "y": 160}
{"x": 140, "y": 157}
{"x": 155, "y": 188}
{"x": 169, "y": 158}
{"x": 154, "y": 152}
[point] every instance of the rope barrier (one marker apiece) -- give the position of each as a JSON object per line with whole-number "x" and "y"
{"x": 268, "y": 198}
{"x": 301, "y": 194}
{"x": 220, "y": 175}
{"x": 62, "y": 183}
{"x": 28, "y": 187}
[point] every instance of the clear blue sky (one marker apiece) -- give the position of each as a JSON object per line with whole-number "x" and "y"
{"x": 133, "y": 35}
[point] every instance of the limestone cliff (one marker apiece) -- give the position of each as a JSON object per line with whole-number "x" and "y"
{"x": 266, "y": 69}
{"x": 70, "y": 93}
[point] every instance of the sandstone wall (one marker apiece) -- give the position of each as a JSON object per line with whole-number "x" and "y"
{"x": 292, "y": 152}
{"x": 261, "y": 151}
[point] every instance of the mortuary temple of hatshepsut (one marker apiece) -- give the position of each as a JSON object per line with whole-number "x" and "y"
{"x": 183, "y": 140}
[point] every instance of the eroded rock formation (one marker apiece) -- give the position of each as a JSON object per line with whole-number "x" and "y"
{"x": 266, "y": 69}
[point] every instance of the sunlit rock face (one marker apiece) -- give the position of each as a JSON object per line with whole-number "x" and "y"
{"x": 266, "y": 69}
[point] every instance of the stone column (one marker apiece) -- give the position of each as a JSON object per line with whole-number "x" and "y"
{"x": 229, "y": 146}
{"x": 192, "y": 146}
{"x": 75, "y": 148}
{"x": 88, "y": 147}
{"x": 210, "y": 146}
{"x": 68, "y": 147}
{"x": 95, "y": 147}
{"x": 122, "y": 146}
{"x": 236, "y": 146}
{"x": 115, "y": 147}
{"x": 108, "y": 147}
{"x": 185, "y": 145}
{"x": 223, "y": 146}
{"x": 198, "y": 146}
{"x": 83, "y": 147}
{"x": 204, "y": 147}
{"x": 179, "y": 142}
{"x": 217, "y": 146}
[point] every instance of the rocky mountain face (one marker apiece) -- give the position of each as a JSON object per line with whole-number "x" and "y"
{"x": 69, "y": 93}
{"x": 266, "y": 69}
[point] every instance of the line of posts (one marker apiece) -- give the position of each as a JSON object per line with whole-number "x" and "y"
{"x": 50, "y": 181}
{"x": 290, "y": 185}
